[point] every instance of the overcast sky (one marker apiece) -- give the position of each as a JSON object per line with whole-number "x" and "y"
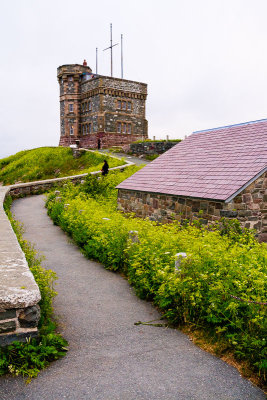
{"x": 205, "y": 61}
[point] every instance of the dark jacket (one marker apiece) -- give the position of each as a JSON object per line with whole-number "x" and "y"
{"x": 105, "y": 168}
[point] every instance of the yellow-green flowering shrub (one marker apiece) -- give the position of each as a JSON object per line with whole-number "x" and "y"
{"x": 221, "y": 284}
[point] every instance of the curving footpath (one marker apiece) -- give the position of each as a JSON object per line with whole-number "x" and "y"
{"x": 109, "y": 357}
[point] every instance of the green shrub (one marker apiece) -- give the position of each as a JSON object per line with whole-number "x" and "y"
{"x": 221, "y": 285}
{"x": 151, "y": 157}
{"x": 157, "y": 141}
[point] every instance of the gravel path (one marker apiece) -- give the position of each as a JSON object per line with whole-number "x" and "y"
{"x": 136, "y": 160}
{"x": 109, "y": 357}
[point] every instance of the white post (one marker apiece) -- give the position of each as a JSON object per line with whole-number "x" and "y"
{"x": 133, "y": 236}
{"x": 178, "y": 259}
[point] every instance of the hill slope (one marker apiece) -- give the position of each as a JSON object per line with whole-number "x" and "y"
{"x": 50, "y": 162}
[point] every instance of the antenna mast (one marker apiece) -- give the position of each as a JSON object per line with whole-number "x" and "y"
{"x": 110, "y": 47}
{"x": 121, "y": 57}
{"x": 96, "y": 60}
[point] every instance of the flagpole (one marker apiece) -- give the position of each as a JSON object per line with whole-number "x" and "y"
{"x": 121, "y": 57}
{"x": 111, "y": 47}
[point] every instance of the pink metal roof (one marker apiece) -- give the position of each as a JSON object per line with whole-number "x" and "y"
{"x": 211, "y": 164}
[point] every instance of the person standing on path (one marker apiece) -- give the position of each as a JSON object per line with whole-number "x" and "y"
{"x": 105, "y": 168}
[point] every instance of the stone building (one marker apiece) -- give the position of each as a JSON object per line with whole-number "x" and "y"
{"x": 99, "y": 111}
{"x": 214, "y": 173}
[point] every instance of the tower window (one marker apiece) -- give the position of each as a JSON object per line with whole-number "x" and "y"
{"x": 90, "y": 106}
{"x": 90, "y": 127}
{"x": 124, "y": 105}
{"x": 124, "y": 127}
{"x": 70, "y": 107}
{"x": 71, "y": 130}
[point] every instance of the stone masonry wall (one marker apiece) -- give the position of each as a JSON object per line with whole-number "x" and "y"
{"x": 151, "y": 147}
{"x": 249, "y": 207}
{"x": 19, "y": 293}
{"x": 18, "y": 324}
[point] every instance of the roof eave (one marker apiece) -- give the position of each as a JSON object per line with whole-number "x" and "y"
{"x": 172, "y": 194}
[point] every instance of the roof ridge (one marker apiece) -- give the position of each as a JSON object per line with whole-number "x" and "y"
{"x": 229, "y": 126}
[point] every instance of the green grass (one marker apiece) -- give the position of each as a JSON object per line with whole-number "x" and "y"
{"x": 50, "y": 162}
{"x": 157, "y": 141}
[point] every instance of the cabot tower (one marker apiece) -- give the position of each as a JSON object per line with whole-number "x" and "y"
{"x": 99, "y": 111}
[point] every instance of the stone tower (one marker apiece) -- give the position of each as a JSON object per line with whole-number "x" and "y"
{"x": 99, "y": 111}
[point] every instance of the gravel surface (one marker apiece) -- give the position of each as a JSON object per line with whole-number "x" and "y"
{"x": 109, "y": 357}
{"x": 136, "y": 160}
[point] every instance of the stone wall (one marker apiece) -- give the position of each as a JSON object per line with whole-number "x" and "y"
{"x": 151, "y": 147}
{"x": 38, "y": 187}
{"x": 249, "y": 207}
{"x": 18, "y": 324}
{"x": 106, "y": 140}
{"x": 19, "y": 294}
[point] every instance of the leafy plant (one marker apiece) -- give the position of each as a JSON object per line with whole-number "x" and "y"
{"x": 220, "y": 286}
{"x": 157, "y": 141}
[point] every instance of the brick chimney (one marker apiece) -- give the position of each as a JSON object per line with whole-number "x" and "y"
{"x": 84, "y": 63}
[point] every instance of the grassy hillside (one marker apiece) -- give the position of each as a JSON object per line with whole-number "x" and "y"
{"x": 50, "y": 162}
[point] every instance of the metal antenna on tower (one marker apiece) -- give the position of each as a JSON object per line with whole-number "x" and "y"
{"x": 96, "y": 60}
{"x": 110, "y": 47}
{"x": 121, "y": 57}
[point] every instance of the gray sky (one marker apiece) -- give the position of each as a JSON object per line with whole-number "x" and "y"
{"x": 205, "y": 61}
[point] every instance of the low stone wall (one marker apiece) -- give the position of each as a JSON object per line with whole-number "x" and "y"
{"x": 249, "y": 207}
{"x": 19, "y": 293}
{"x": 150, "y": 148}
{"x": 38, "y": 187}
{"x": 107, "y": 140}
